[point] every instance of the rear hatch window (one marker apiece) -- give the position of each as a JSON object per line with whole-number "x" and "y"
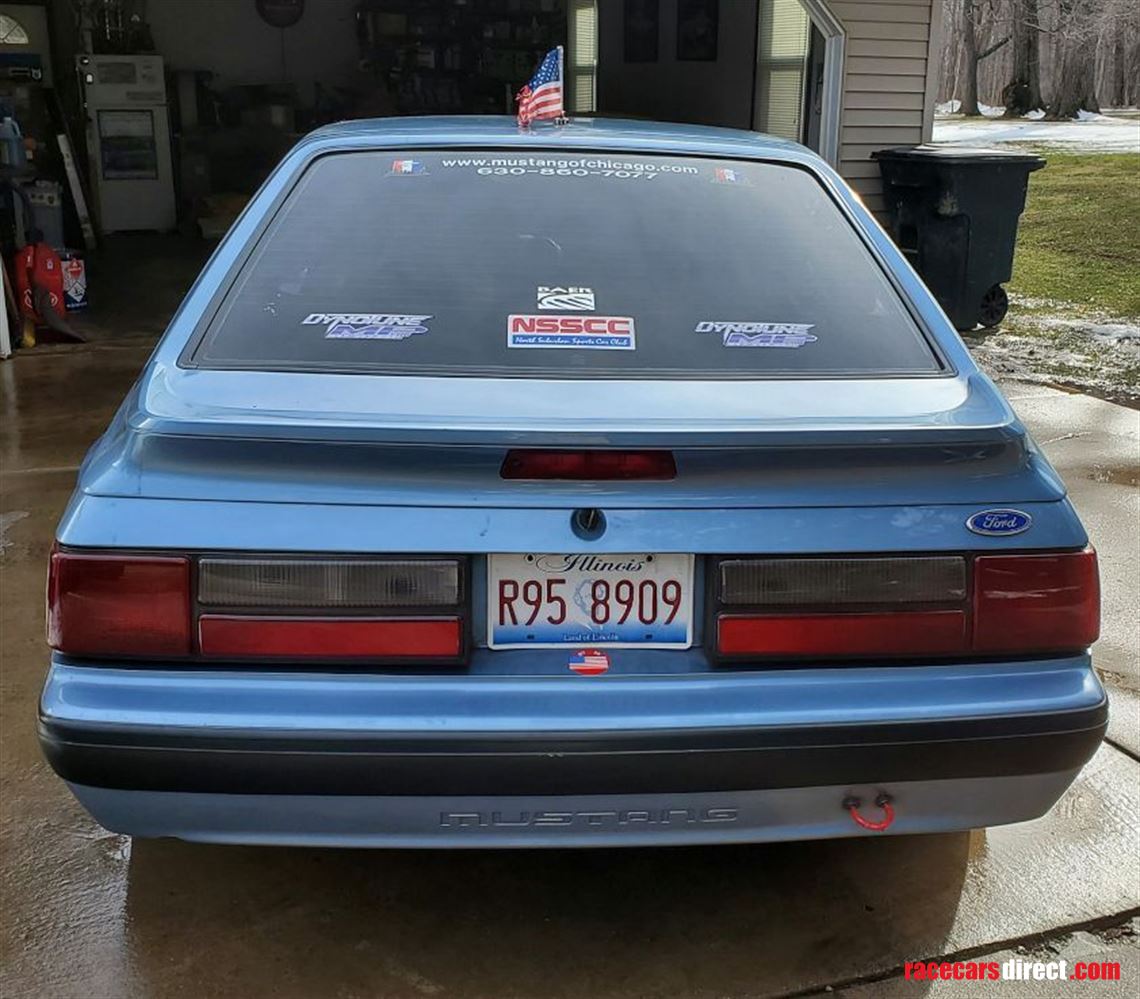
{"x": 554, "y": 265}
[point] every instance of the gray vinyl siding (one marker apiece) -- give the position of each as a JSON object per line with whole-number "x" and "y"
{"x": 886, "y": 87}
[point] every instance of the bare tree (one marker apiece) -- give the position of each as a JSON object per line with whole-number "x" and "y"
{"x": 1023, "y": 91}
{"x": 1061, "y": 55}
{"x": 1075, "y": 71}
{"x": 1117, "y": 49}
{"x": 948, "y": 77}
{"x": 969, "y": 96}
{"x": 976, "y": 14}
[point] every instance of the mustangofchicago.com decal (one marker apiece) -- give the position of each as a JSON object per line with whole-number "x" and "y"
{"x": 582, "y": 166}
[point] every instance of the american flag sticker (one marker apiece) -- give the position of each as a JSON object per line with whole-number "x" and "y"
{"x": 407, "y": 167}
{"x": 725, "y": 175}
{"x": 589, "y": 662}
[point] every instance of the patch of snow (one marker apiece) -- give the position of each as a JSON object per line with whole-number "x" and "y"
{"x": 1096, "y": 367}
{"x": 7, "y": 521}
{"x": 1096, "y": 133}
{"x": 1123, "y": 335}
{"x": 1035, "y": 115}
{"x": 954, "y": 106}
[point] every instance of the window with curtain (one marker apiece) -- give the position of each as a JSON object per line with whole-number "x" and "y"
{"x": 582, "y": 57}
{"x": 781, "y": 72}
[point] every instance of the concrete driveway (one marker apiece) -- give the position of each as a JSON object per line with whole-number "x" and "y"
{"x": 87, "y": 913}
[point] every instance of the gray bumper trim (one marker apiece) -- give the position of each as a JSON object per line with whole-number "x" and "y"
{"x": 574, "y": 820}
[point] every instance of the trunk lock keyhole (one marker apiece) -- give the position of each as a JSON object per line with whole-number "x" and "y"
{"x": 588, "y": 523}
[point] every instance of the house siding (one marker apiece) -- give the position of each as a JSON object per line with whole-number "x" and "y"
{"x": 887, "y": 85}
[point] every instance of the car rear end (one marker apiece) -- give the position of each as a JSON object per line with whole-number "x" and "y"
{"x": 565, "y": 494}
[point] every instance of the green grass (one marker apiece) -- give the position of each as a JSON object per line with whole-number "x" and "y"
{"x": 1079, "y": 239}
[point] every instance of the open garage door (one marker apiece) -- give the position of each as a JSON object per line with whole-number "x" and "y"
{"x": 770, "y": 65}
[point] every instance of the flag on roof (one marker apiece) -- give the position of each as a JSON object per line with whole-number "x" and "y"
{"x": 542, "y": 97}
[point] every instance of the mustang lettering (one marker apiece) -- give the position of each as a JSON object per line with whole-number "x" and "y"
{"x": 590, "y": 819}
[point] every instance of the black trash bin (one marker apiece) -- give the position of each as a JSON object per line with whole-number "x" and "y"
{"x": 954, "y": 213}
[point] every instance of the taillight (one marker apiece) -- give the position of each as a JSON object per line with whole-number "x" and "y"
{"x": 1023, "y": 604}
{"x": 1036, "y": 603}
{"x": 130, "y": 605}
{"x": 909, "y": 633}
{"x": 823, "y": 582}
{"x": 325, "y": 638}
{"x": 327, "y": 583}
{"x": 593, "y": 466}
{"x": 389, "y": 610}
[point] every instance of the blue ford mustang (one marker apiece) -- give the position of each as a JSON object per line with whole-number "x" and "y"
{"x": 603, "y": 484}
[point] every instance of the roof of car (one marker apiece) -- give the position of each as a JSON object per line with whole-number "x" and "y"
{"x": 503, "y": 130}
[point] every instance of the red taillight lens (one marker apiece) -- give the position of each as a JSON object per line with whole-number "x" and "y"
{"x": 1036, "y": 603}
{"x": 1025, "y": 604}
{"x": 593, "y": 466}
{"x": 103, "y": 604}
{"x": 329, "y": 638}
{"x": 910, "y": 633}
{"x": 130, "y": 605}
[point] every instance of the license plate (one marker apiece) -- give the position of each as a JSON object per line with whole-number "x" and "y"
{"x": 614, "y": 601}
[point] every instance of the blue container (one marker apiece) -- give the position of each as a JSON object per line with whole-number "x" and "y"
{"x": 12, "y": 152}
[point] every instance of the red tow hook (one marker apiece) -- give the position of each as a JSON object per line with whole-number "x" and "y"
{"x": 883, "y": 801}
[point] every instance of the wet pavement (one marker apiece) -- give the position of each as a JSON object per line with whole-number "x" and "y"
{"x": 138, "y": 279}
{"x": 87, "y": 913}
{"x": 1095, "y": 446}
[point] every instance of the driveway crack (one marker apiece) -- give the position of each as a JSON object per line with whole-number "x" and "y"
{"x": 970, "y": 953}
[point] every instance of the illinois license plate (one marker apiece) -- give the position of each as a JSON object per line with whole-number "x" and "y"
{"x": 619, "y": 601}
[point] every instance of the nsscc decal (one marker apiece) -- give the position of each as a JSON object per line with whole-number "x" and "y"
{"x": 588, "y": 332}
{"x": 592, "y": 325}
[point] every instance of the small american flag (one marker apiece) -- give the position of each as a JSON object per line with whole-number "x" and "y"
{"x": 589, "y": 662}
{"x": 542, "y": 97}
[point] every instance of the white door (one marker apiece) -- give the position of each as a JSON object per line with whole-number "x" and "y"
{"x": 781, "y": 69}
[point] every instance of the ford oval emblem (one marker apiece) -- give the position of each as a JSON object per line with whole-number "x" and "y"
{"x": 998, "y": 523}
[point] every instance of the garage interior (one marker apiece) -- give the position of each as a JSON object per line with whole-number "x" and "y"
{"x": 134, "y": 131}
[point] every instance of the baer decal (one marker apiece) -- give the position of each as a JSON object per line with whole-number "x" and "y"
{"x": 569, "y": 299}
{"x": 760, "y": 334}
{"x": 367, "y": 325}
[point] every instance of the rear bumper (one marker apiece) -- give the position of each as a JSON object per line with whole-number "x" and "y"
{"x": 419, "y": 821}
{"x": 610, "y": 762}
{"x": 428, "y": 746}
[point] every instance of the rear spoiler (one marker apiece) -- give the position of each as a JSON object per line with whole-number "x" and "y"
{"x": 385, "y": 409}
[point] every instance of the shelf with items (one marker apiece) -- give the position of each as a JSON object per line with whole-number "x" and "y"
{"x": 455, "y": 56}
